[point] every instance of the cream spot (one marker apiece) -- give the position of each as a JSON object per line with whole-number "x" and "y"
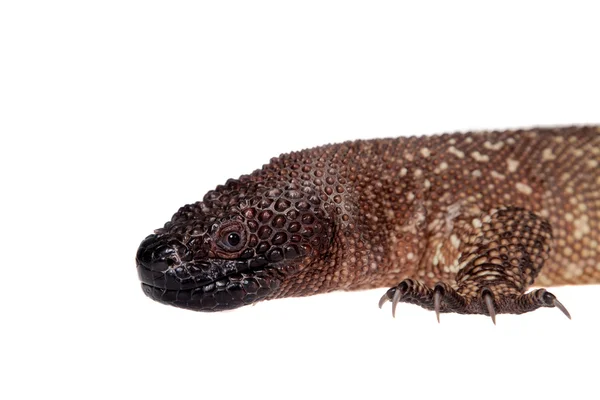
{"x": 476, "y": 173}
{"x": 425, "y": 152}
{"x": 511, "y": 141}
{"x": 455, "y": 241}
{"x": 427, "y": 184}
{"x": 438, "y": 254}
{"x": 547, "y": 155}
{"x": 513, "y": 165}
{"x": 488, "y": 217}
{"x": 569, "y": 217}
{"x": 390, "y": 215}
{"x": 592, "y": 163}
{"x": 480, "y": 157}
{"x": 493, "y": 146}
{"x": 452, "y": 141}
{"x": 476, "y": 223}
{"x": 453, "y": 212}
{"x": 418, "y": 172}
{"x": 446, "y": 197}
{"x": 456, "y": 152}
{"x": 443, "y": 166}
{"x": 523, "y": 188}
{"x": 403, "y": 172}
{"x": 455, "y": 267}
{"x": 434, "y": 225}
{"x": 497, "y": 175}
{"x": 578, "y": 152}
{"x": 410, "y": 256}
{"x": 531, "y": 134}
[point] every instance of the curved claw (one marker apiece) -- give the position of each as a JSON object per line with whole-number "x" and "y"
{"x": 489, "y": 303}
{"x": 562, "y": 308}
{"x": 550, "y": 300}
{"x": 395, "y": 301}
{"x": 384, "y": 299}
{"x": 437, "y": 302}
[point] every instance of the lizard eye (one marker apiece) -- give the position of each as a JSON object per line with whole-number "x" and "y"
{"x": 232, "y": 237}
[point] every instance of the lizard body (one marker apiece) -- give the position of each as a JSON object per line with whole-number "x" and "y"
{"x": 462, "y": 222}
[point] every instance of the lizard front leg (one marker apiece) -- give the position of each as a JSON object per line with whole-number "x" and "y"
{"x": 497, "y": 257}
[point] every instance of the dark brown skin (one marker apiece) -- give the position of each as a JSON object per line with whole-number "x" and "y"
{"x": 454, "y": 223}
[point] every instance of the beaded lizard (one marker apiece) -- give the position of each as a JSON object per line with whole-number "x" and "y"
{"x": 462, "y": 222}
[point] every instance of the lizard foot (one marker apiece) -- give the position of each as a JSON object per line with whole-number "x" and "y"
{"x": 444, "y": 299}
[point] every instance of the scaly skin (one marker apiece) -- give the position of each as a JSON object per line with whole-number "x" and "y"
{"x": 457, "y": 223}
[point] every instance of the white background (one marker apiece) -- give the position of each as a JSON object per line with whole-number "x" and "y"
{"x": 113, "y": 114}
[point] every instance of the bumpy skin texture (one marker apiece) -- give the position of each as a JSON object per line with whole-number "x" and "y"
{"x": 457, "y": 223}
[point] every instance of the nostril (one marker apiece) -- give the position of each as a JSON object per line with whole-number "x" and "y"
{"x": 162, "y": 258}
{"x": 155, "y": 255}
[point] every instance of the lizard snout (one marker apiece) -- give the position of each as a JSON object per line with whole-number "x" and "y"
{"x": 157, "y": 254}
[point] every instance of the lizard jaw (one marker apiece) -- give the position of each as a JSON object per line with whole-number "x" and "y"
{"x": 227, "y": 293}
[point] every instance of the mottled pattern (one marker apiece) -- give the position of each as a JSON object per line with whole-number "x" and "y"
{"x": 479, "y": 216}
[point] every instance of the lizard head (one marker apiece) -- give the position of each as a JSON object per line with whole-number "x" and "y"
{"x": 242, "y": 244}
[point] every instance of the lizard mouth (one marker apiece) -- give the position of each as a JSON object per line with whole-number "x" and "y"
{"x": 225, "y": 293}
{"x": 170, "y": 274}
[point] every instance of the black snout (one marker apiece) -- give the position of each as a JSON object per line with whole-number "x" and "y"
{"x": 171, "y": 273}
{"x": 156, "y": 254}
